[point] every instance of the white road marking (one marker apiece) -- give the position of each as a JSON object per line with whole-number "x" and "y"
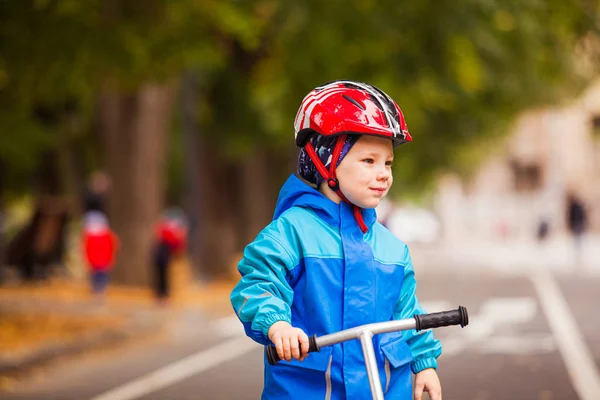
{"x": 580, "y": 364}
{"x": 513, "y": 310}
{"x": 494, "y": 330}
{"x": 498, "y": 312}
{"x": 180, "y": 370}
{"x": 526, "y": 345}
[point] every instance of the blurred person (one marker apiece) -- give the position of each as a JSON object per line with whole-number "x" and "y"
{"x": 41, "y": 243}
{"x": 324, "y": 264}
{"x": 170, "y": 240}
{"x": 100, "y": 245}
{"x": 2, "y": 250}
{"x": 543, "y": 230}
{"x": 577, "y": 221}
{"x": 21, "y": 249}
{"x": 97, "y": 192}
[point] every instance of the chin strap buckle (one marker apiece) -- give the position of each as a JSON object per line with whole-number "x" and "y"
{"x": 333, "y": 184}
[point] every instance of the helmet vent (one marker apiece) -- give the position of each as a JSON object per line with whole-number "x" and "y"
{"x": 389, "y": 103}
{"x": 351, "y": 85}
{"x": 353, "y": 101}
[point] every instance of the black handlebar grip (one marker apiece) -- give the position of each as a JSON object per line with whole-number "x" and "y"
{"x": 444, "y": 318}
{"x": 273, "y": 357}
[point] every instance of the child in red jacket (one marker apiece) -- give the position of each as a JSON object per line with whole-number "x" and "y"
{"x": 170, "y": 240}
{"x": 100, "y": 245}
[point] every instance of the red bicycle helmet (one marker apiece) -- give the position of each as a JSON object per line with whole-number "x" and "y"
{"x": 343, "y": 107}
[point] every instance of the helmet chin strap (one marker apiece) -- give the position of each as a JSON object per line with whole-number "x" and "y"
{"x": 331, "y": 179}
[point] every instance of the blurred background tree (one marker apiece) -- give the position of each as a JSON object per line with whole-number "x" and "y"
{"x": 191, "y": 103}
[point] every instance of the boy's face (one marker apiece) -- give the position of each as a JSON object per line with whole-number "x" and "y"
{"x": 365, "y": 174}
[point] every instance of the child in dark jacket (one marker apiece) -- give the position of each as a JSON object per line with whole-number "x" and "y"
{"x": 169, "y": 240}
{"x": 324, "y": 264}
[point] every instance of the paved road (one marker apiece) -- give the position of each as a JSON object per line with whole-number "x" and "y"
{"x": 519, "y": 345}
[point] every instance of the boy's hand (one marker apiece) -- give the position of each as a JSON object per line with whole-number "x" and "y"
{"x": 428, "y": 381}
{"x": 288, "y": 341}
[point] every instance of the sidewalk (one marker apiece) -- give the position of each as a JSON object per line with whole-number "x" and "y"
{"x": 41, "y": 323}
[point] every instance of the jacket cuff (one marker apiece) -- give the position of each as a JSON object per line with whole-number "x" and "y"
{"x": 270, "y": 320}
{"x": 424, "y": 363}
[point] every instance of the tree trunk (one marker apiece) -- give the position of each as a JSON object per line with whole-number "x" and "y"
{"x": 134, "y": 130}
{"x": 68, "y": 172}
{"x": 2, "y": 220}
{"x": 256, "y": 200}
{"x": 194, "y": 185}
{"x": 219, "y": 231}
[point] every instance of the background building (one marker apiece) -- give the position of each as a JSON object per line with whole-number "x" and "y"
{"x": 550, "y": 154}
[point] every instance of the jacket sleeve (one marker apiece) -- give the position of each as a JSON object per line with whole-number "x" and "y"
{"x": 263, "y": 295}
{"x": 424, "y": 347}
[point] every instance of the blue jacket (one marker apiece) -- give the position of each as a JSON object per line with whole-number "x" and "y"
{"x": 314, "y": 268}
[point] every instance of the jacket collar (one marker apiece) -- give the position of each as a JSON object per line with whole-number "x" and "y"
{"x": 297, "y": 193}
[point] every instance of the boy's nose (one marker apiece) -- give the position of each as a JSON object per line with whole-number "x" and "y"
{"x": 384, "y": 174}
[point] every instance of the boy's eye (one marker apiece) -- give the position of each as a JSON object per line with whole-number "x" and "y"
{"x": 369, "y": 160}
{"x": 389, "y": 163}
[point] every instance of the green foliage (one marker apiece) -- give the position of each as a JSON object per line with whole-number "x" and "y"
{"x": 21, "y": 143}
{"x": 460, "y": 71}
{"x": 54, "y": 52}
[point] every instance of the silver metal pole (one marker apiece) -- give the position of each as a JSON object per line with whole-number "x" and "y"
{"x": 366, "y": 340}
{"x": 375, "y": 329}
{"x": 365, "y": 333}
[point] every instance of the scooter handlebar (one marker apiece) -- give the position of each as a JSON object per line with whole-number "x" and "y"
{"x": 422, "y": 321}
{"x": 273, "y": 357}
{"x": 444, "y": 318}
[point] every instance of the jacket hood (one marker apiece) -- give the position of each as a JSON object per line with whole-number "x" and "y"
{"x": 297, "y": 193}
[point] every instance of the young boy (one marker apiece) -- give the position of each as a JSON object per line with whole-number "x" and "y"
{"x": 324, "y": 264}
{"x": 100, "y": 245}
